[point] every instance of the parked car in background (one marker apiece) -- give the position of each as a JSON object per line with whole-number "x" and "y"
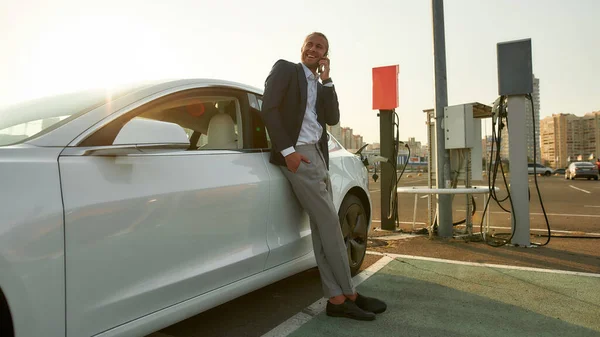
{"x": 582, "y": 170}
{"x": 126, "y": 211}
{"x": 560, "y": 171}
{"x": 539, "y": 169}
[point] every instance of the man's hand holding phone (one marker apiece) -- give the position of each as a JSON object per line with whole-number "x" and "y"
{"x": 323, "y": 68}
{"x": 293, "y": 161}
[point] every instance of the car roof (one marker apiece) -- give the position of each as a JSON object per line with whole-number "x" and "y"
{"x": 61, "y": 136}
{"x": 210, "y": 81}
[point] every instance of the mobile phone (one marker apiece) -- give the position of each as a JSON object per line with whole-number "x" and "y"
{"x": 320, "y": 68}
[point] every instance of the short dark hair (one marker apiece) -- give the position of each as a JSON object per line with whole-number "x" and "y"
{"x": 321, "y": 35}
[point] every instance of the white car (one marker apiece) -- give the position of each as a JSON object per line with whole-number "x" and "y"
{"x": 125, "y": 212}
{"x": 539, "y": 169}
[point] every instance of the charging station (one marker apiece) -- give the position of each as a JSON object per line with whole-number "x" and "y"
{"x": 385, "y": 99}
{"x": 455, "y": 132}
{"x": 515, "y": 81}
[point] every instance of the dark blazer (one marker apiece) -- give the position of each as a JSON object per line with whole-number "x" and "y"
{"x": 284, "y": 105}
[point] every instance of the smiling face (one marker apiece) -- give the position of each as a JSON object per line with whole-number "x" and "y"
{"x": 314, "y": 48}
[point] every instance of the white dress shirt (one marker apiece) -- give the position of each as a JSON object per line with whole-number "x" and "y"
{"x": 311, "y": 130}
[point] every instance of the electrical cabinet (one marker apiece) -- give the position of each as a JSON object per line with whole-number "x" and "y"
{"x": 458, "y": 126}
{"x": 515, "y": 72}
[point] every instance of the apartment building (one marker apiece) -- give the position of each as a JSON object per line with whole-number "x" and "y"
{"x": 336, "y": 131}
{"x": 357, "y": 142}
{"x": 566, "y": 137}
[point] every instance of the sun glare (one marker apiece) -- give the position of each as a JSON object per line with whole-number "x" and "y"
{"x": 93, "y": 52}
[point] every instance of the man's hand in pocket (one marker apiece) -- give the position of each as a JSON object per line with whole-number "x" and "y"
{"x": 293, "y": 161}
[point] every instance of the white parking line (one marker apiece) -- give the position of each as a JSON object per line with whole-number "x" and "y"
{"x": 402, "y": 222}
{"x": 296, "y": 321}
{"x": 477, "y": 264}
{"x": 548, "y": 214}
{"x": 545, "y": 231}
{"x": 590, "y": 206}
{"x": 588, "y": 192}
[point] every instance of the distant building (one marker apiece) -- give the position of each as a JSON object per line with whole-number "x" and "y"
{"x": 357, "y": 142}
{"x": 374, "y": 147}
{"x": 346, "y": 137}
{"x": 566, "y": 138}
{"x": 336, "y": 131}
{"x": 416, "y": 148}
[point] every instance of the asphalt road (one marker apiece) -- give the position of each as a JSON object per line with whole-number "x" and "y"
{"x": 570, "y": 206}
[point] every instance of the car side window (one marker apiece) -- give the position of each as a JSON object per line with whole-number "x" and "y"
{"x": 333, "y": 144}
{"x": 203, "y": 121}
{"x": 260, "y": 135}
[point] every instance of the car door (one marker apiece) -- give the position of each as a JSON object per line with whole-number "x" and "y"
{"x": 288, "y": 226}
{"x": 152, "y": 219}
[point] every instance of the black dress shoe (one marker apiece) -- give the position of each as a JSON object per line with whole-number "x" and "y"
{"x": 348, "y": 309}
{"x": 370, "y": 304}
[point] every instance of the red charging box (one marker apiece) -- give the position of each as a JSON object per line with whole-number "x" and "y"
{"x": 385, "y": 87}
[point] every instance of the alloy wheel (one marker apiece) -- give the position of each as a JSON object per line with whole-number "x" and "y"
{"x": 354, "y": 224}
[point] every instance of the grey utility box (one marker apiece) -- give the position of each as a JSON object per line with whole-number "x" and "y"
{"x": 459, "y": 126}
{"x": 515, "y": 73}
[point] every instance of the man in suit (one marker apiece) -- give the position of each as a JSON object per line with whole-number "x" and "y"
{"x": 295, "y": 110}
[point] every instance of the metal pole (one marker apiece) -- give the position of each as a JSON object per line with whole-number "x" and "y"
{"x": 430, "y": 174}
{"x": 386, "y": 139}
{"x": 441, "y": 101}
{"x": 517, "y": 152}
{"x": 468, "y": 178}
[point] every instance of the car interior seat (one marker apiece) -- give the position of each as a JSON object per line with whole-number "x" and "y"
{"x": 221, "y": 133}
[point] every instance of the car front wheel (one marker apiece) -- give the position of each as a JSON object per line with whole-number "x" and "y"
{"x": 354, "y": 224}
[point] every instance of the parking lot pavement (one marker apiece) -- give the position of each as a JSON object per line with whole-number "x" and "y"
{"x": 441, "y": 298}
{"x": 570, "y": 214}
{"x": 570, "y": 205}
{"x": 569, "y": 208}
{"x": 256, "y": 313}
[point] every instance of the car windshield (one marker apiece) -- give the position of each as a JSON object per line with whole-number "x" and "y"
{"x": 584, "y": 164}
{"x": 28, "y": 119}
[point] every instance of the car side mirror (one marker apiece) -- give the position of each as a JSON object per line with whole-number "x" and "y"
{"x": 142, "y": 131}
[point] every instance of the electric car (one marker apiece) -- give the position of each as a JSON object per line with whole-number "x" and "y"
{"x": 124, "y": 212}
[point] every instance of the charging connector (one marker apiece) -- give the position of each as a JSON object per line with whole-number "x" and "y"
{"x": 372, "y": 160}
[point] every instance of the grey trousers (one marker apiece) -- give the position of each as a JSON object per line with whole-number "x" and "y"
{"x": 312, "y": 185}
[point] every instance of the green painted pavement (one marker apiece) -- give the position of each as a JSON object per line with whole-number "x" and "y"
{"x": 427, "y": 298}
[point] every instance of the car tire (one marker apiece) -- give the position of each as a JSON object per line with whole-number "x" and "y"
{"x": 547, "y": 173}
{"x": 354, "y": 225}
{"x": 6, "y": 325}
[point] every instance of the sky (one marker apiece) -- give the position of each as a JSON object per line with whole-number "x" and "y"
{"x": 51, "y": 47}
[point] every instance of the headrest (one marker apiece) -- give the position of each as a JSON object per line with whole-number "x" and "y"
{"x": 221, "y": 132}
